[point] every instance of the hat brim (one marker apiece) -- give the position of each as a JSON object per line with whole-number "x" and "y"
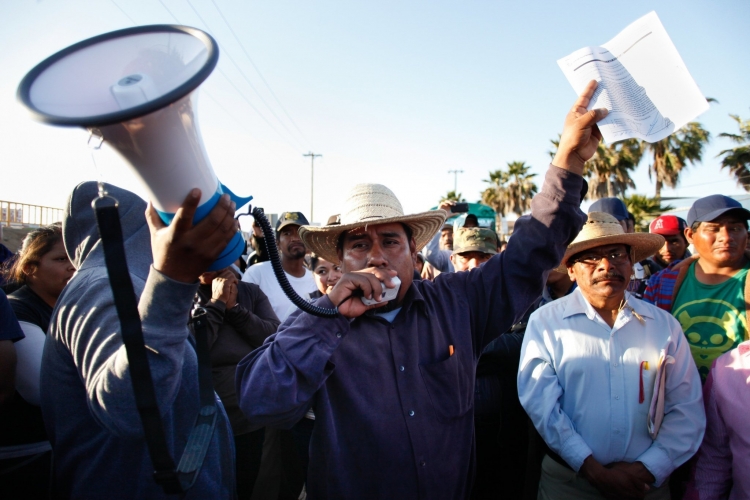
{"x": 642, "y": 245}
{"x": 323, "y": 240}
{"x": 718, "y": 213}
{"x": 475, "y": 248}
{"x": 288, "y": 223}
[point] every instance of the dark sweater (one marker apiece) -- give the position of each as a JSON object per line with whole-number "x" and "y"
{"x": 232, "y": 334}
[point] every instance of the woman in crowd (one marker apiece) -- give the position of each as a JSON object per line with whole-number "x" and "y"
{"x": 326, "y": 274}
{"x": 42, "y": 268}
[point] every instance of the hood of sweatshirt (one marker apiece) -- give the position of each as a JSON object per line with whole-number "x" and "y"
{"x": 81, "y": 235}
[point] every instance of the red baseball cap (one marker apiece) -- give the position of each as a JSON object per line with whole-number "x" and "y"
{"x": 667, "y": 225}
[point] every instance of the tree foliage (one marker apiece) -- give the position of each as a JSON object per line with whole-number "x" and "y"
{"x": 510, "y": 190}
{"x": 453, "y": 196}
{"x": 644, "y": 210}
{"x": 737, "y": 160}
{"x": 608, "y": 171}
{"x": 672, "y": 154}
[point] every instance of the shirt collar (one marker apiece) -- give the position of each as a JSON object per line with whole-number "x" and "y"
{"x": 577, "y": 304}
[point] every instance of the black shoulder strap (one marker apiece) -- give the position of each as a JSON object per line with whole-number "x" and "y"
{"x": 173, "y": 480}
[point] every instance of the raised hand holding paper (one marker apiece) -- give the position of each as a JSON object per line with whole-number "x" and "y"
{"x": 643, "y": 82}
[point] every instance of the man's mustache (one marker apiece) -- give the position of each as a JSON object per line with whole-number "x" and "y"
{"x": 613, "y": 275}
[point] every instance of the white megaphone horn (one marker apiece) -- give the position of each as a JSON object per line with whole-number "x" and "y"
{"x": 134, "y": 89}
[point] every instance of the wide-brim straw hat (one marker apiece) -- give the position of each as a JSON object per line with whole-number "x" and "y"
{"x": 369, "y": 204}
{"x": 603, "y": 229}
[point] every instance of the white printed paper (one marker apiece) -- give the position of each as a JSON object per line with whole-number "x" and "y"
{"x": 643, "y": 82}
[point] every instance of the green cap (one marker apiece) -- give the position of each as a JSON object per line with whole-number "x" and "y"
{"x": 474, "y": 239}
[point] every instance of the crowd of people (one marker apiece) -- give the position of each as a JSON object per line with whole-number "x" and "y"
{"x": 577, "y": 360}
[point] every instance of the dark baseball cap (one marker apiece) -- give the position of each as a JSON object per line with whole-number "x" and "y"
{"x": 288, "y": 218}
{"x": 711, "y": 207}
{"x": 612, "y": 206}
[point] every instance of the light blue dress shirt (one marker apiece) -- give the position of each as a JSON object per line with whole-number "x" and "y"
{"x": 579, "y": 381}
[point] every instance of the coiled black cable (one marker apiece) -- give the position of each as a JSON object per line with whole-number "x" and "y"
{"x": 273, "y": 255}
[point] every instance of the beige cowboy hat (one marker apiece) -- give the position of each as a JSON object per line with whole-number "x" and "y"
{"x": 603, "y": 229}
{"x": 369, "y": 204}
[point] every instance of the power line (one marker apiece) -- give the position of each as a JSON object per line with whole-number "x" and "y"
{"x": 170, "y": 12}
{"x": 220, "y": 106}
{"x": 244, "y": 98}
{"x": 241, "y": 94}
{"x": 244, "y": 76}
{"x": 242, "y": 46}
{"x": 125, "y": 13}
{"x": 203, "y": 90}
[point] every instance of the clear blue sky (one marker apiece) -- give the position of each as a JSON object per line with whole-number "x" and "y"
{"x": 396, "y": 92}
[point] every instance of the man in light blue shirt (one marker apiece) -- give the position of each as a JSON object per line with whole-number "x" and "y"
{"x": 587, "y": 371}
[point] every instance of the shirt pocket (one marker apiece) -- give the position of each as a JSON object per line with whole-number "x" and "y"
{"x": 448, "y": 387}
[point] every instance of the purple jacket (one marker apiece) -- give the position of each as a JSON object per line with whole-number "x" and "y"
{"x": 393, "y": 410}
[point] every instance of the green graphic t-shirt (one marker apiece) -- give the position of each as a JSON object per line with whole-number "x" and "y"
{"x": 712, "y": 317}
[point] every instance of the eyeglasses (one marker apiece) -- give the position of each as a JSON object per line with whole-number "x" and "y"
{"x": 593, "y": 259}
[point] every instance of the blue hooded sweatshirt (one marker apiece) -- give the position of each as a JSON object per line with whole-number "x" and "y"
{"x": 87, "y": 397}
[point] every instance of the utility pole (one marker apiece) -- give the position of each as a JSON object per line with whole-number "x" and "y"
{"x": 455, "y": 179}
{"x": 312, "y": 179}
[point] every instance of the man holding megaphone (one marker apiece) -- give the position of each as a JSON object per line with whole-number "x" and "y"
{"x": 89, "y": 405}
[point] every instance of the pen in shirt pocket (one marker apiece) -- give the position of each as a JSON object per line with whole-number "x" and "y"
{"x": 641, "y": 392}
{"x": 450, "y": 351}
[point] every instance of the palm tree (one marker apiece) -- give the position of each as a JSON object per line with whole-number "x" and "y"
{"x": 492, "y": 195}
{"x": 671, "y": 154}
{"x": 521, "y": 189}
{"x": 737, "y": 160}
{"x": 644, "y": 210}
{"x": 453, "y": 196}
{"x": 608, "y": 171}
{"x": 510, "y": 190}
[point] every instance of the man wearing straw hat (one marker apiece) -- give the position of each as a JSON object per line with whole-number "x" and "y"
{"x": 589, "y": 362}
{"x": 392, "y": 383}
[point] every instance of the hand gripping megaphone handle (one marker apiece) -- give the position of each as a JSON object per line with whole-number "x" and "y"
{"x": 236, "y": 246}
{"x": 273, "y": 254}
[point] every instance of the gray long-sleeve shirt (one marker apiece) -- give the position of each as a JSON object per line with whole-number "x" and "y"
{"x": 87, "y": 394}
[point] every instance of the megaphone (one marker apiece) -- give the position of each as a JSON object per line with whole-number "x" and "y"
{"x": 133, "y": 88}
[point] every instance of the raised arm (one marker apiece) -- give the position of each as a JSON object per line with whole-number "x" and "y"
{"x": 440, "y": 259}
{"x": 510, "y": 282}
{"x": 580, "y": 136}
{"x": 87, "y": 316}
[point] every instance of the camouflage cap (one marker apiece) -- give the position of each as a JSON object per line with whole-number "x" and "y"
{"x": 474, "y": 239}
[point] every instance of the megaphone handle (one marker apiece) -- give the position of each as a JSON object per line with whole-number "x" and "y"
{"x": 278, "y": 271}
